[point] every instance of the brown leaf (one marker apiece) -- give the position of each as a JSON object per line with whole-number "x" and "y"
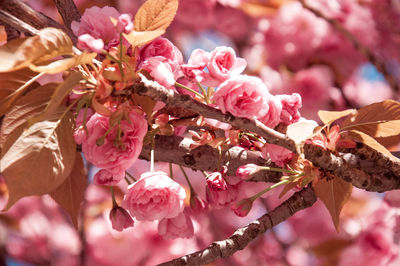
{"x": 20, "y": 53}
{"x": 300, "y": 131}
{"x": 377, "y": 120}
{"x": 41, "y": 158}
{"x": 139, "y": 38}
{"x": 328, "y": 117}
{"x": 146, "y": 103}
{"x": 57, "y": 97}
{"x": 71, "y": 193}
{"x": 26, "y": 107}
{"x": 14, "y": 85}
{"x": 334, "y": 193}
{"x": 64, "y": 64}
{"x": 371, "y": 142}
{"x": 155, "y": 15}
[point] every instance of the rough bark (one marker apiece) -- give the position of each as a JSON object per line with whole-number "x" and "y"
{"x": 326, "y": 160}
{"x": 35, "y": 19}
{"x": 205, "y": 158}
{"x": 242, "y": 237}
{"x": 68, "y": 11}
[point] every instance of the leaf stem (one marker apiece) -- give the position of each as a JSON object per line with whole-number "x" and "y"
{"x": 171, "y": 172}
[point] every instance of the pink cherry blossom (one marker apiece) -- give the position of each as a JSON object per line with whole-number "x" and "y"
{"x": 124, "y": 23}
{"x": 108, "y": 156}
{"x": 164, "y": 48}
{"x": 96, "y": 22}
{"x": 154, "y": 196}
{"x": 243, "y": 96}
{"x": 290, "y": 108}
{"x": 107, "y": 178}
{"x": 120, "y": 219}
{"x": 223, "y": 64}
{"x": 193, "y": 70}
{"x": 221, "y": 199}
{"x": 89, "y": 43}
{"x": 272, "y": 117}
{"x": 159, "y": 70}
{"x": 180, "y": 226}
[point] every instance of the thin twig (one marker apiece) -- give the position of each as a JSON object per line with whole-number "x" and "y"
{"x": 242, "y": 237}
{"x": 16, "y": 23}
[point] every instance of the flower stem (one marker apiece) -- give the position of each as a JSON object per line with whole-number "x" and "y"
{"x": 189, "y": 89}
{"x": 266, "y": 168}
{"x": 130, "y": 176}
{"x": 152, "y": 156}
{"x": 187, "y": 178}
{"x": 114, "y": 202}
{"x": 171, "y": 172}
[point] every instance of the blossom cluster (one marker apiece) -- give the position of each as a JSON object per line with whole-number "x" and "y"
{"x": 112, "y": 135}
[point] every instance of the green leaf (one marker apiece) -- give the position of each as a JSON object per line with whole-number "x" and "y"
{"x": 334, "y": 193}
{"x": 70, "y": 194}
{"x": 41, "y": 158}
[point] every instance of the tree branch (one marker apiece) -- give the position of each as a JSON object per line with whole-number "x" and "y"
{"x": 35, "y": 19}
{"x": 348, "y": 166}
{"x": 380, "y": 66}
{"x": 241, "y": 237}
{"x": 157, "y": 92}
{"x": 176, "y": 150}
{"x": 324, "y": 159}
{"x": 68, "y": 11}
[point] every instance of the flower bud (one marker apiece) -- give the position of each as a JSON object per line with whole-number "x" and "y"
{"x": 120, "y": 219}
{"x": 243, "y": 207}
{"x": 124, "y": 24}
{"x": 247, "y": 171}
{"x": 216, "y": 182}
{"x": 197, "y": 204}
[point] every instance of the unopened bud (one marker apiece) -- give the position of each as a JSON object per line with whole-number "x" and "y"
{"x": 120, "y": 219}
{"x": 247, "y": 171}
{"x": 216, "y": 182}
{"x": 243, "y": 207}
